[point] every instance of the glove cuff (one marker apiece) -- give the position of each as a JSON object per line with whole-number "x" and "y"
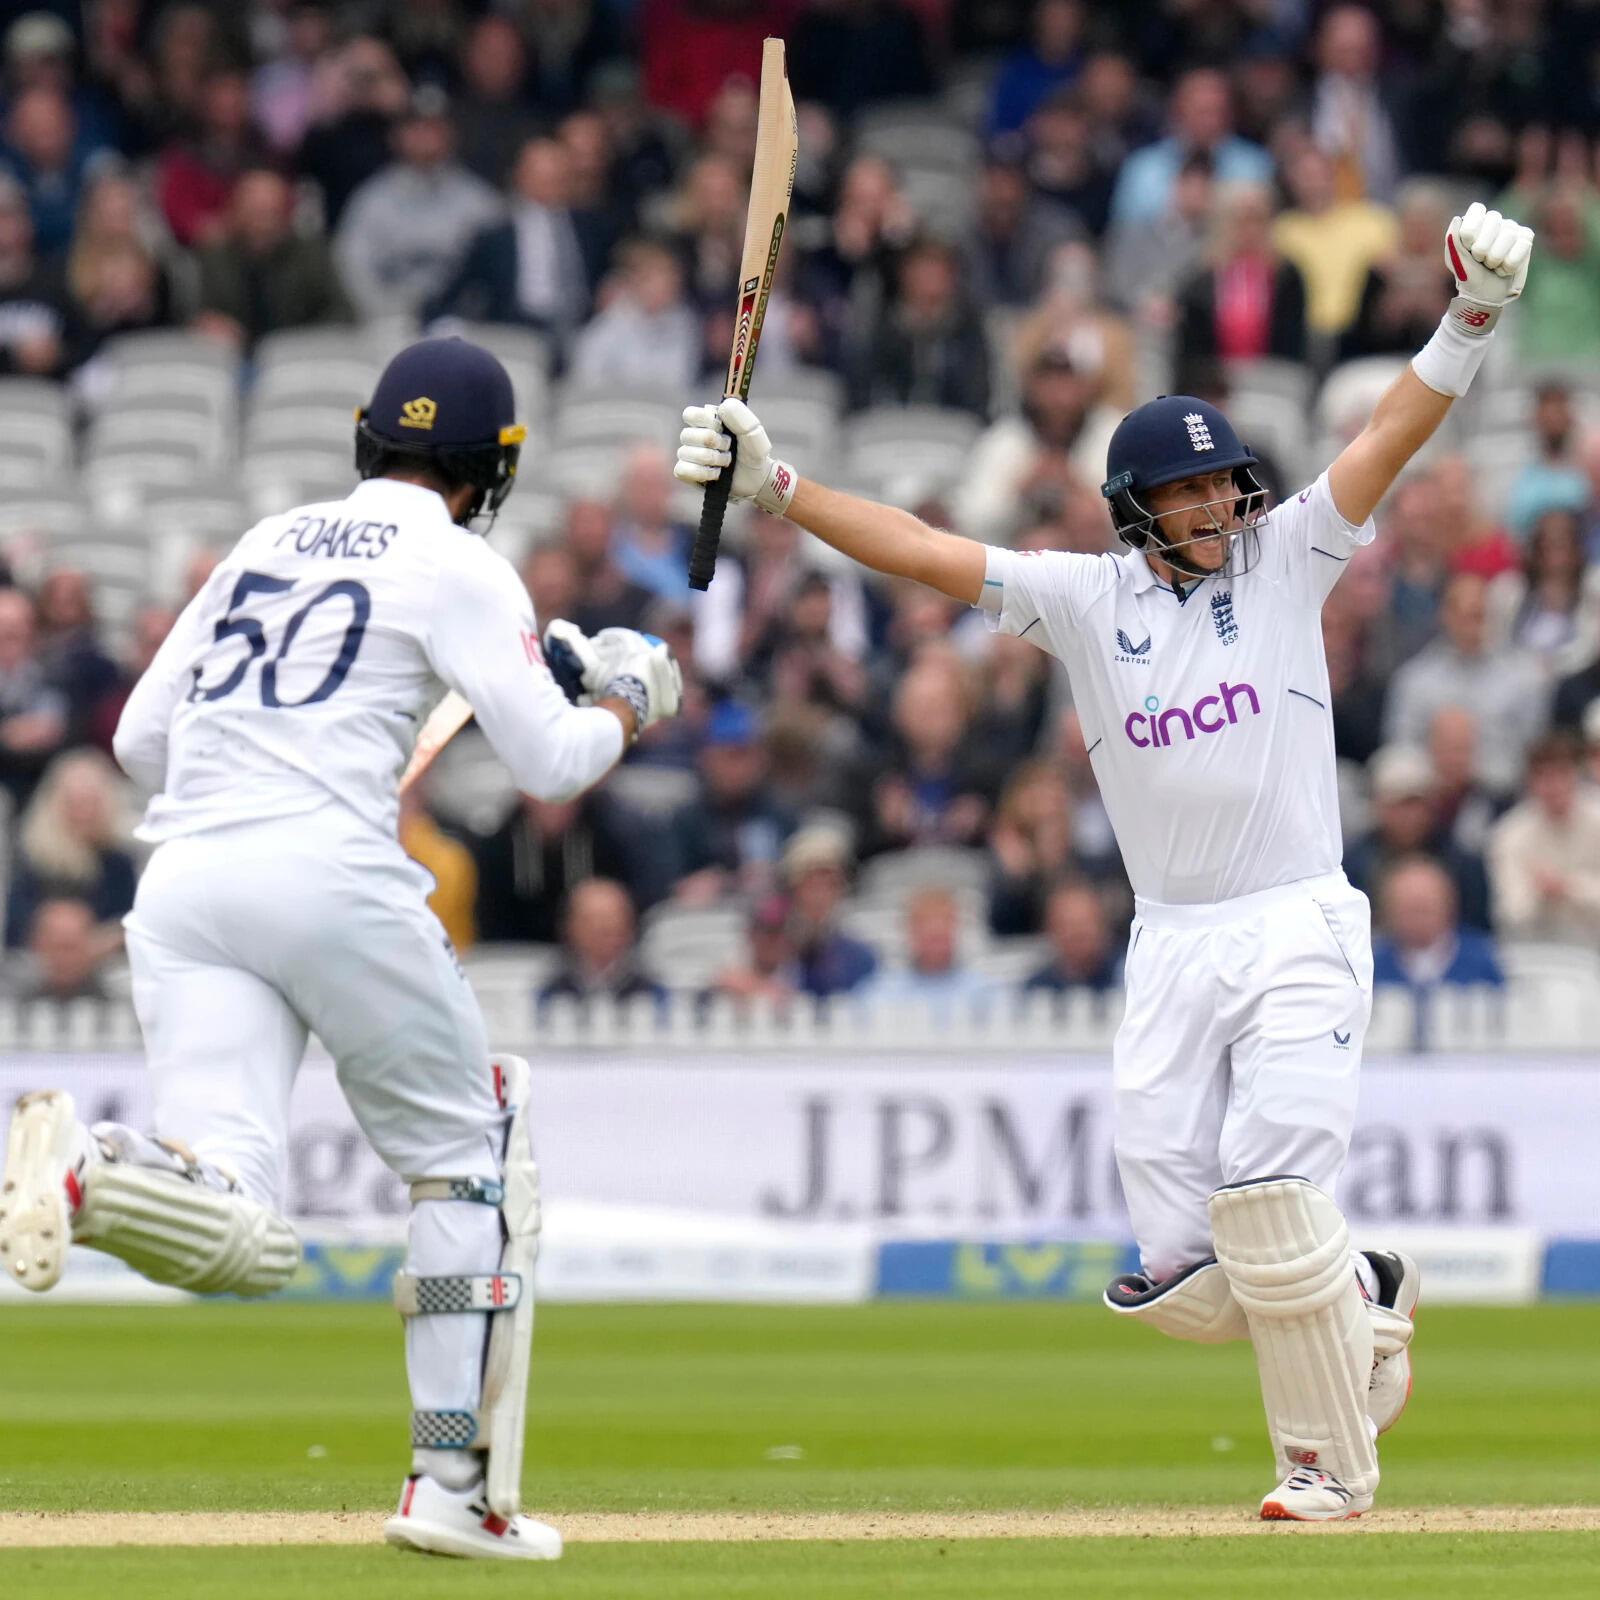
{"x": 1474, "y": 318}
{"x": 1449, "y": 361}
{"x": 775, "y": 494}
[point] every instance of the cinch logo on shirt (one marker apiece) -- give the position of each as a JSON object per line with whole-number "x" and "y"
{"x": 1210, "y": 714}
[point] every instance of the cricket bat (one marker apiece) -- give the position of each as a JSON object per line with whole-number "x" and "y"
{"x": 771, "y": 187}
{"x": 445, "y": 721}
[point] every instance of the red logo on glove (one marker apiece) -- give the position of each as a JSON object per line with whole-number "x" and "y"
{"x": 1472, "y": 316}
{"x": 780, "y": 479}
{"x": 1455, "y": 260}
{"x": 532, "y": 649}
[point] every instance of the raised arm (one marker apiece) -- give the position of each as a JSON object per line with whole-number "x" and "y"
{"x": 1488, "y": 256}
{"x": 881, "y": 537}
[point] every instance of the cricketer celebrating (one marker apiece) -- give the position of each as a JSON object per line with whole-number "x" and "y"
{"x": 273, "y": 727}
{"x": 1197, "y": 666}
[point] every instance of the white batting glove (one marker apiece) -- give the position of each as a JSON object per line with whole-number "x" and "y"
{"x": 584, "y": 666}
{"x": 645, "y": 675}
{"x": 1487, "y": 255}
{"x": 704, "y": 450}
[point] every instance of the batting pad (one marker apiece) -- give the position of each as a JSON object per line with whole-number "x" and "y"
{"x": 1286, "y": 1250}
{"x": 1197, "y": 1305}
{"x": 174, "y": 1230}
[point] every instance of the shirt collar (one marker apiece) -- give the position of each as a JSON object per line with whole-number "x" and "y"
{"x": 1144, "y": 578}
{"x": 409, "y": 498}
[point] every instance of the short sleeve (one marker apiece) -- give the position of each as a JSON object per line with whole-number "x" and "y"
{"x": 1307, "y": 543}
{"x": 1042, "y": 595}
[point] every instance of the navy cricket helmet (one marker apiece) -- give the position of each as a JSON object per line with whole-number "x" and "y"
{"x": 1174, "y": 437}
{"x": 445, "y": 405}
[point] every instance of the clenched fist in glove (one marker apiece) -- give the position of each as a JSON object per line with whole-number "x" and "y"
{"x": 1487, "y": 255}
{"x": 705, "y": 448}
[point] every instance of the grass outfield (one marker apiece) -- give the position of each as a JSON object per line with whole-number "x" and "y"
{"x": 889, "y": 1406}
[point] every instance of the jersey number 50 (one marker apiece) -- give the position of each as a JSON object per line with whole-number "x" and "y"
{"x": 255, "y": 636}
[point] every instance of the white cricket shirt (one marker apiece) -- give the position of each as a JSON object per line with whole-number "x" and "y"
{"x": 303, "y": 670}
{"x": 1207, "y": 718}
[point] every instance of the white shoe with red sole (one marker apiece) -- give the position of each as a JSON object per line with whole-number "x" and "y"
{"x": 1309, "y": 1494}
{"x": 450, "y": 1522}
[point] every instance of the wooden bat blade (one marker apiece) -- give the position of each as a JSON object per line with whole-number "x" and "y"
{"x": 445, "y": 721}
{"x": 771, "y": 189}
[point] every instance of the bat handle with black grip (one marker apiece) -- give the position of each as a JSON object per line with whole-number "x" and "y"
{"x": 703, "y": 557}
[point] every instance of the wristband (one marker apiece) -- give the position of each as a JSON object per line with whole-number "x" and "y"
{"x": 775, "y": 494}
{"x": 1449, "y": 361}
{"x": 632, "y": 692}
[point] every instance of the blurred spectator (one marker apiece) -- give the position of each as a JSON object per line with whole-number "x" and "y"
{"x": 604, "y": 597}
{"x": 706, "y": 217}
{"x": 284, "y": 89}
{"x": 769, "y": 972}
{"x": 351, "y": 140}
{"x": 1416, "y": 541}
{"x": 495, "y": 120}
{"x": 72, "y": 842}
{"x": 1477, "y": 543}
{"x": 815, "y": 863}
{"x": 448, "y": 862}
{"x": 1422, "y": 944}
{"x": 529, "y": 866}
{"x": 1064, "y": 162}
{"x": 1008, "y": 251}
{"x": 568, "y": 40}
{"x": 114, "y": 228}
{"x": 851, "y": 54}
{"x": 1551, "y": 608}
{"x": 51, "y": 163}
{"x": 598, "y": 954}
{"x": 66, "y": 955}
{"x": 69, "y": 647}
{"x": 260, "y": 276}
{"x": 1405, "y": 823}
{"x": 1051, "y": 60}
{"x": 125, "y": 296}
{"x": 1357, "y": 690}
{"x": 195, "y": 178}
{"x": 1555, "y": 480}
{"x": 1503, "y": 688}
{"x": 1030, "y": 846}
{"x": 688, "y": 50}
{"x": 1558, "y": 316}
{"x": 530, "y": 268}
{"x": 649, "y": 545}
{"x": 1405, "y": 292}
{"x": 928, "y": 347}
{"x": 33, "y": 714}
{"x": 936, "y": 982}
{"x": 1463, "y": 809}
{"x": 1200, "y": 117}
{"x": 1024, "y": 467}
{"x": 37, "y": 332}
{"x": 1073, "y": 318}
{"x": 934, "y": 788}
{"x": 842, "y": 275}
{"x": 1349, "y": 110}
{"x": 647, "y": 335}
{"x": 730, "y": 839}
{"x": 1149, "y": 259}
{"x": 40, "y": 53}
{"x": 1248, "y": 302}
{"x": 407, "y": 227}
{"x": 1333, "y": 240}
{"x": 1083, "y": 954}
{"x": 1544, "y": 854}
{"x": 1575, "y": 694}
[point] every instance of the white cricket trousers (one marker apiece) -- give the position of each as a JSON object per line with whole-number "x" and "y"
{"x": 1239, "y": 1053}
{"x": 242, "y": 941}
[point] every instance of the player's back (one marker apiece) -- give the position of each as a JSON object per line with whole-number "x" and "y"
{"x": 305, "y": 669}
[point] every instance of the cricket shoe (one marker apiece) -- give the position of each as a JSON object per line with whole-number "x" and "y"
{"x": 1309, "y": 1494}
{"x": 47, "y": 1151}
{"x": 450, "y": 1522}
{"x": 1399, "y": 1285}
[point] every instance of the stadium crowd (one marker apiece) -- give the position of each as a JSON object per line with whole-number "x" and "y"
{"x": 1233, "y": 186}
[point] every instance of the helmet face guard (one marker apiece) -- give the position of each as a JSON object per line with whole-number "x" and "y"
{"x": 1141, "y": 528}
{"x": 490, "y": 470}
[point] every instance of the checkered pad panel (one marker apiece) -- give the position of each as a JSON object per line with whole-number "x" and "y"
{"x": 415, "y": 1295}
{"x": 443, "y": 1430}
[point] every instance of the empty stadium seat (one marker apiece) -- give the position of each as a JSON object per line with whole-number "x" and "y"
{"x": 685, "y": 948}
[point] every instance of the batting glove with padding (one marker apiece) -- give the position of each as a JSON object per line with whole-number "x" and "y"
{"x": 582, "y": 666}
{"x": 704, "y": 449}
{"x": 644, "y": 674}
{"x": 1487, "y": 255}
